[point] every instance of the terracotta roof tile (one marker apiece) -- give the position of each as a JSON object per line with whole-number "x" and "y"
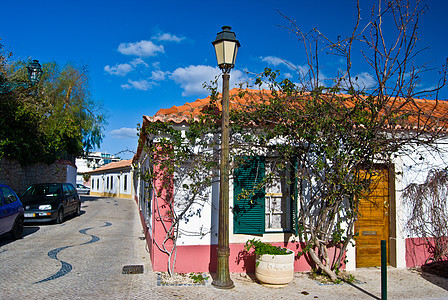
{"x": 184, "y": 113}
{"x": 113, "y": 165}
{"x": 438, "y": 110}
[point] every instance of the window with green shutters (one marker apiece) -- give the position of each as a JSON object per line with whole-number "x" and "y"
{"x": 249, "y": 199}
{"x": 261, "y": 207}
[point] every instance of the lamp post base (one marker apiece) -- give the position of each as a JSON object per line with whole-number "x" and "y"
{"x": 223, "y": 285}
{"x": 222, "y": 280}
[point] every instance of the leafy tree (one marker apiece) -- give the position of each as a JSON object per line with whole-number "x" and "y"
{"x": 57, "y": 118}
{"x": 330, "y": 131}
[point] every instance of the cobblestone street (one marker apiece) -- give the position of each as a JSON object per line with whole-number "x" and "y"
{"x": 83, "y": 258}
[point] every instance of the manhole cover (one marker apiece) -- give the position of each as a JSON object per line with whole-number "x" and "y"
{"x": 136, "y": 269}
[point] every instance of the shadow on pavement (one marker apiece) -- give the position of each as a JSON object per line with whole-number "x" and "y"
{"x": 27, "y": 230}
{"x": 434, "y": 278}
{"x": 363, "y": 290}
{"x": 85, "y": 198}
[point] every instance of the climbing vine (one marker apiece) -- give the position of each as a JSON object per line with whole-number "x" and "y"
{"x": 330, "y": 133}
{"x": 427, "y": 203}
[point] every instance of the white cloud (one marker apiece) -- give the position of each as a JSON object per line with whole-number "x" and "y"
{"x": 124, "y": 69}
{"x": 159, "y": 75}
{"x": 142, "y": 48}
{"x": 119, "y": 69}
{"x": 139, "y": 61}
{"x": 168, "y": 37}
{"x": 192, "y": 78}
{"x": 277, "y": 61}
{"x": 236, "y": 77}
{"x": 364, "y": 80}
{"x": 124, "y": 133}
{"x": 142, "y": 85}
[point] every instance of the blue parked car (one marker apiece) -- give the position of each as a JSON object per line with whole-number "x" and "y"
{"x": 11, "y": 212}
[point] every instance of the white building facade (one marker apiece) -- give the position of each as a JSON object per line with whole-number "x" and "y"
{"x": 112, "y": 180}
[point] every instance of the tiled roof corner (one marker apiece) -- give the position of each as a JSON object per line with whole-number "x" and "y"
{"x": 113, "y": 165}
{"x": 192, "y": 110}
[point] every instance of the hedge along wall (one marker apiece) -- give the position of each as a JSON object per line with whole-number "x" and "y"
{"x": 19, "y": 178}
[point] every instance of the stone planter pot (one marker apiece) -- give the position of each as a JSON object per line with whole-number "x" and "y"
{"x": 276, "y": 270}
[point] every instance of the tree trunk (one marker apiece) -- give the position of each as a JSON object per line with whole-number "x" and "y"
{"x": 324, "y": 268}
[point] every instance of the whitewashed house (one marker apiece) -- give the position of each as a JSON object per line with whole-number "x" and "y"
{"x": 112, "y": 180}
{"x": 383, "y": 216}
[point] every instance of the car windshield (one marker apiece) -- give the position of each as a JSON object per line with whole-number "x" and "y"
{"x": 50, "y": 190}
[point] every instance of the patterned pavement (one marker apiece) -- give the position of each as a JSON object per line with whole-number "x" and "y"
{"x": 83, "y": 258}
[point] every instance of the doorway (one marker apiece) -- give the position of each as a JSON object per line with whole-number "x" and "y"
{"x": 373, "y": 221}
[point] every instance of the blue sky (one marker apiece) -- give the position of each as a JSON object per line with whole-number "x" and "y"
{"x": 147, "y": 55}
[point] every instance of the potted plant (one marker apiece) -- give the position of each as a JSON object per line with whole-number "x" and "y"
{"x": 273, "y": 265}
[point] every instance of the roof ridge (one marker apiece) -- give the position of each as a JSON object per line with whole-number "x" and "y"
{"x": 113, "y": 165}
{"x": 243, "y": 97}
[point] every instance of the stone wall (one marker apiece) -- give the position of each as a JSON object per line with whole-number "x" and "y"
{"x": 19, "y": 178}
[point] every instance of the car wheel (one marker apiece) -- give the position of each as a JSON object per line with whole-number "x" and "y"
{"x": 17, "y": 230}
{"x": 78, "y": 209}
{"x": 60, "y": 216}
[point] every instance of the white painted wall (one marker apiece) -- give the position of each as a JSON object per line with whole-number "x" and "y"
{"x": 71, "y": 175}
{"x": 409, "y": 169}
{"x": 144, "y": 195}
{"x": 95, "y": 187}
{"x": 414, "y": 168}
{"x": 197, "y": 228}
{"x": 116, "y": 183}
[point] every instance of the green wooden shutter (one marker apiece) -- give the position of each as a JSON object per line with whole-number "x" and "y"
{"x": 294, "y": 190}
{"x": 249, "y": 212}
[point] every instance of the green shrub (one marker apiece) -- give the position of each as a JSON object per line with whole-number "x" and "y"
{"x": 261, "y": 248}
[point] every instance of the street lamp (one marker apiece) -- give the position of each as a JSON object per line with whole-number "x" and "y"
{"x": 34, "y": 73}
{"x": 226, "y": 48}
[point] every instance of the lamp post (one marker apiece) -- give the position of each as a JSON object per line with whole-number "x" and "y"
{"x": 34, "y": 73}
{"x": 226, "y": 47}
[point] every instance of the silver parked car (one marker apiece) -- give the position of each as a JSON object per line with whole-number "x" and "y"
{"x": 82, "y": 189}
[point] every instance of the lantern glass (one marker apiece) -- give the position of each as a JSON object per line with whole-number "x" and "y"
{"x": 226, "y": 53}
{"x": 226, "y": 47}
{"x": 219, "y": 49}
{"x": 34, "y": 71}
{"x": 229, "y": 52}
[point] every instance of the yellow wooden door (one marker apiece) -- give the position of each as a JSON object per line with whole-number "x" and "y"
{"x": 373, "y": 222}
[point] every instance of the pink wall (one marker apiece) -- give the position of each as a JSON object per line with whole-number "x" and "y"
{"x": 417, "y": 251}
{"x": 161, "y": 212}
{"x": 202, "y": 258}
